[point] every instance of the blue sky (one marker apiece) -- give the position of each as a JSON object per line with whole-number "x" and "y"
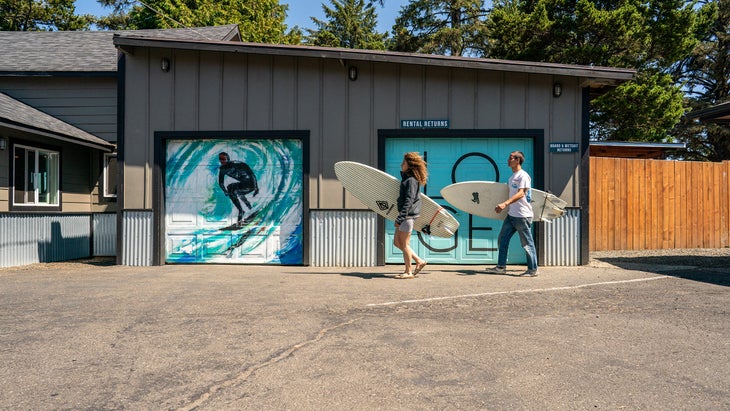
{"x": 299, "y": 12}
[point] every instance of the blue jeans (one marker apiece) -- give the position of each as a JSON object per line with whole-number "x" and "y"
{"x": 521, "y": 226}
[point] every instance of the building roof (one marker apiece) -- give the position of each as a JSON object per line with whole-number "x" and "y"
{"x": 716, "y": 114}
{"x": 633, "y": 149}
{"x": 28, "y": 52}
{"x": 22, "y": 117}
{"x": 592, "y": 76}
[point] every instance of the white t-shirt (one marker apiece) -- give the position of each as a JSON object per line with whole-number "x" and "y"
{"x": 521, "y": 207}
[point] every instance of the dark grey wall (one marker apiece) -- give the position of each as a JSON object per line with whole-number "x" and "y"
{"x": 206, "y": 90}
{"x": 89, "y": 103}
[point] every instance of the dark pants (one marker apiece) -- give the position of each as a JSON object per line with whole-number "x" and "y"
{"x": 239, "y": 190}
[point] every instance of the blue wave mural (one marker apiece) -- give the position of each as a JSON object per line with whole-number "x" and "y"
{"x": 234, "y": 201}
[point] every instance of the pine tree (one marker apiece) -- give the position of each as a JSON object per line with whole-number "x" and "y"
{"x": 447, "y": 27}
{"x": 647, "y": 35}
{"x": 349, "y": 24}
{"x": 706, "y": 75}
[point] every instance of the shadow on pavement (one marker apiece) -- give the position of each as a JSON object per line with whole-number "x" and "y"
{"x": 366, "y": 276}
{"x": 706, "y": 269}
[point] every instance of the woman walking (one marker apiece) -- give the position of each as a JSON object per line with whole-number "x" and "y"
{"x": 413, "y": 175}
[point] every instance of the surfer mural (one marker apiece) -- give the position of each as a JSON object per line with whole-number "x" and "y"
{"x": 245, "y": 182}
{"x": 234, "y": 201}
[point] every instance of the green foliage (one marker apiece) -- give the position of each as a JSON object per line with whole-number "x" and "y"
{"x": 40, "y": 15}
{"x": 647, "y": 35}
{"x": 706, "y": 70}
{"x": 705, "y": 141}
{"x": 705, "y": 74}
{"x": 640, "y": 110}
{"x": 630, "y": 33}
{"x": 349, "y": 24}
{"x": 259, "y": 21}
{"x": 448, "y": 27}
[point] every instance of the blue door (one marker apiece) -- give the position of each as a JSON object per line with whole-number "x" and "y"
{"x": 452, "y": 160}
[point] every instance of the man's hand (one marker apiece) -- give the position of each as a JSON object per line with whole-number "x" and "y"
{"x": 499, "y": 207}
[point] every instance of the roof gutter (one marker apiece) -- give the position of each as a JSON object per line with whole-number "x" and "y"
{"x": 56, "y": 136}
{"x": 600, "y": 76}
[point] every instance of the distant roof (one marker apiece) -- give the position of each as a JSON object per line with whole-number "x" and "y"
{"x": 26, "y": 52}
{"x": 592, "y": 76}
{"x": 715, "y": 114}
{"x": 633, "y": 149}
{"x": 20, "y": 116}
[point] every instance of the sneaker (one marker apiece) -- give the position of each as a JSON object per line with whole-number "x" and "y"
{"x": 529, "y": 273}
{"x": 497, "y": 270}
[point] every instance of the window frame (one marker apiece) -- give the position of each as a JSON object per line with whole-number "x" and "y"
{"x": 54, "y": 177}
{"x": 105, "y": 177}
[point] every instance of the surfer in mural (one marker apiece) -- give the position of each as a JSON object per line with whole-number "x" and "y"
{"x": 245, "y": 183}
{"x": 413, "y": 175}
{"x": 519, "y": 217}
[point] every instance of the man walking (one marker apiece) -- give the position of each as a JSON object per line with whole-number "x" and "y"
{"x": 519, "y": 217}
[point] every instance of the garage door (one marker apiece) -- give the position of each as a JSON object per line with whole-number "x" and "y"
{"x": 234, "y": 201}
{"x": 452, "y": 160}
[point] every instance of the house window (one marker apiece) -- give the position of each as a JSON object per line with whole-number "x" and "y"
{"x": 35, "y": 176}
{"x": 110, "y": 175}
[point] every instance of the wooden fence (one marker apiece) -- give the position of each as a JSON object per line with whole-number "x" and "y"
{"x": 640, "y": 204}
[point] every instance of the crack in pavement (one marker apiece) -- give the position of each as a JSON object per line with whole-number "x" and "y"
{"x": 242, "y": 377}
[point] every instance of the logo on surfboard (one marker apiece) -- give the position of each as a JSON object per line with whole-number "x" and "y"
{"x": 475, "y": 197}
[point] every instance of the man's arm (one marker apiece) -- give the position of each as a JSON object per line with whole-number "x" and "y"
{"x": 519, "y": 194}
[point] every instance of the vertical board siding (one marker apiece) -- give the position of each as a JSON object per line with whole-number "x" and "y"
{"x": 29, "y": 238}
{"x": 638, "y": 204}
{"x": 209, "y": 90}
{"x": 343, "y": 238}
{"x": 562, "y": 245}
{"x": 105, "y": 235}
{"x": 137, "y": 238}
{"x": 214, "y": 90}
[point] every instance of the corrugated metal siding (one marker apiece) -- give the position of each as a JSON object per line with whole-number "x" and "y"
{"x": 137, "y": 238}
{"x": 562, "y": 245}
{"x": 343, "y": 238}
{"x": 105, "y": 234}
{"x": 30, "y": 238}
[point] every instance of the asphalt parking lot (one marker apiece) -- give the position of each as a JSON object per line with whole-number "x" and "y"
{"x": 90, "y": 336}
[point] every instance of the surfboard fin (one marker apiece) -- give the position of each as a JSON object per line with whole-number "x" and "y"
{"x": 426, "y": 229}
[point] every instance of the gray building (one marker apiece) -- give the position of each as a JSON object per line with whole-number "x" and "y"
{"x": 215, "y": 131}
{"x": 58, "y": 131}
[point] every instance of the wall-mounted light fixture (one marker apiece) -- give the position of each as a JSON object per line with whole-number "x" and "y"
{"x": 3, "y": 143}
{"x": 557, "y": 89}
{"x": 165, "y": 64}
{"x": 352, "y": 73}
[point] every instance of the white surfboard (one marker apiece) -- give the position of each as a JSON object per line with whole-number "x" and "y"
{"x": 480, "y": 197}
{"x": 379, "y": 192}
